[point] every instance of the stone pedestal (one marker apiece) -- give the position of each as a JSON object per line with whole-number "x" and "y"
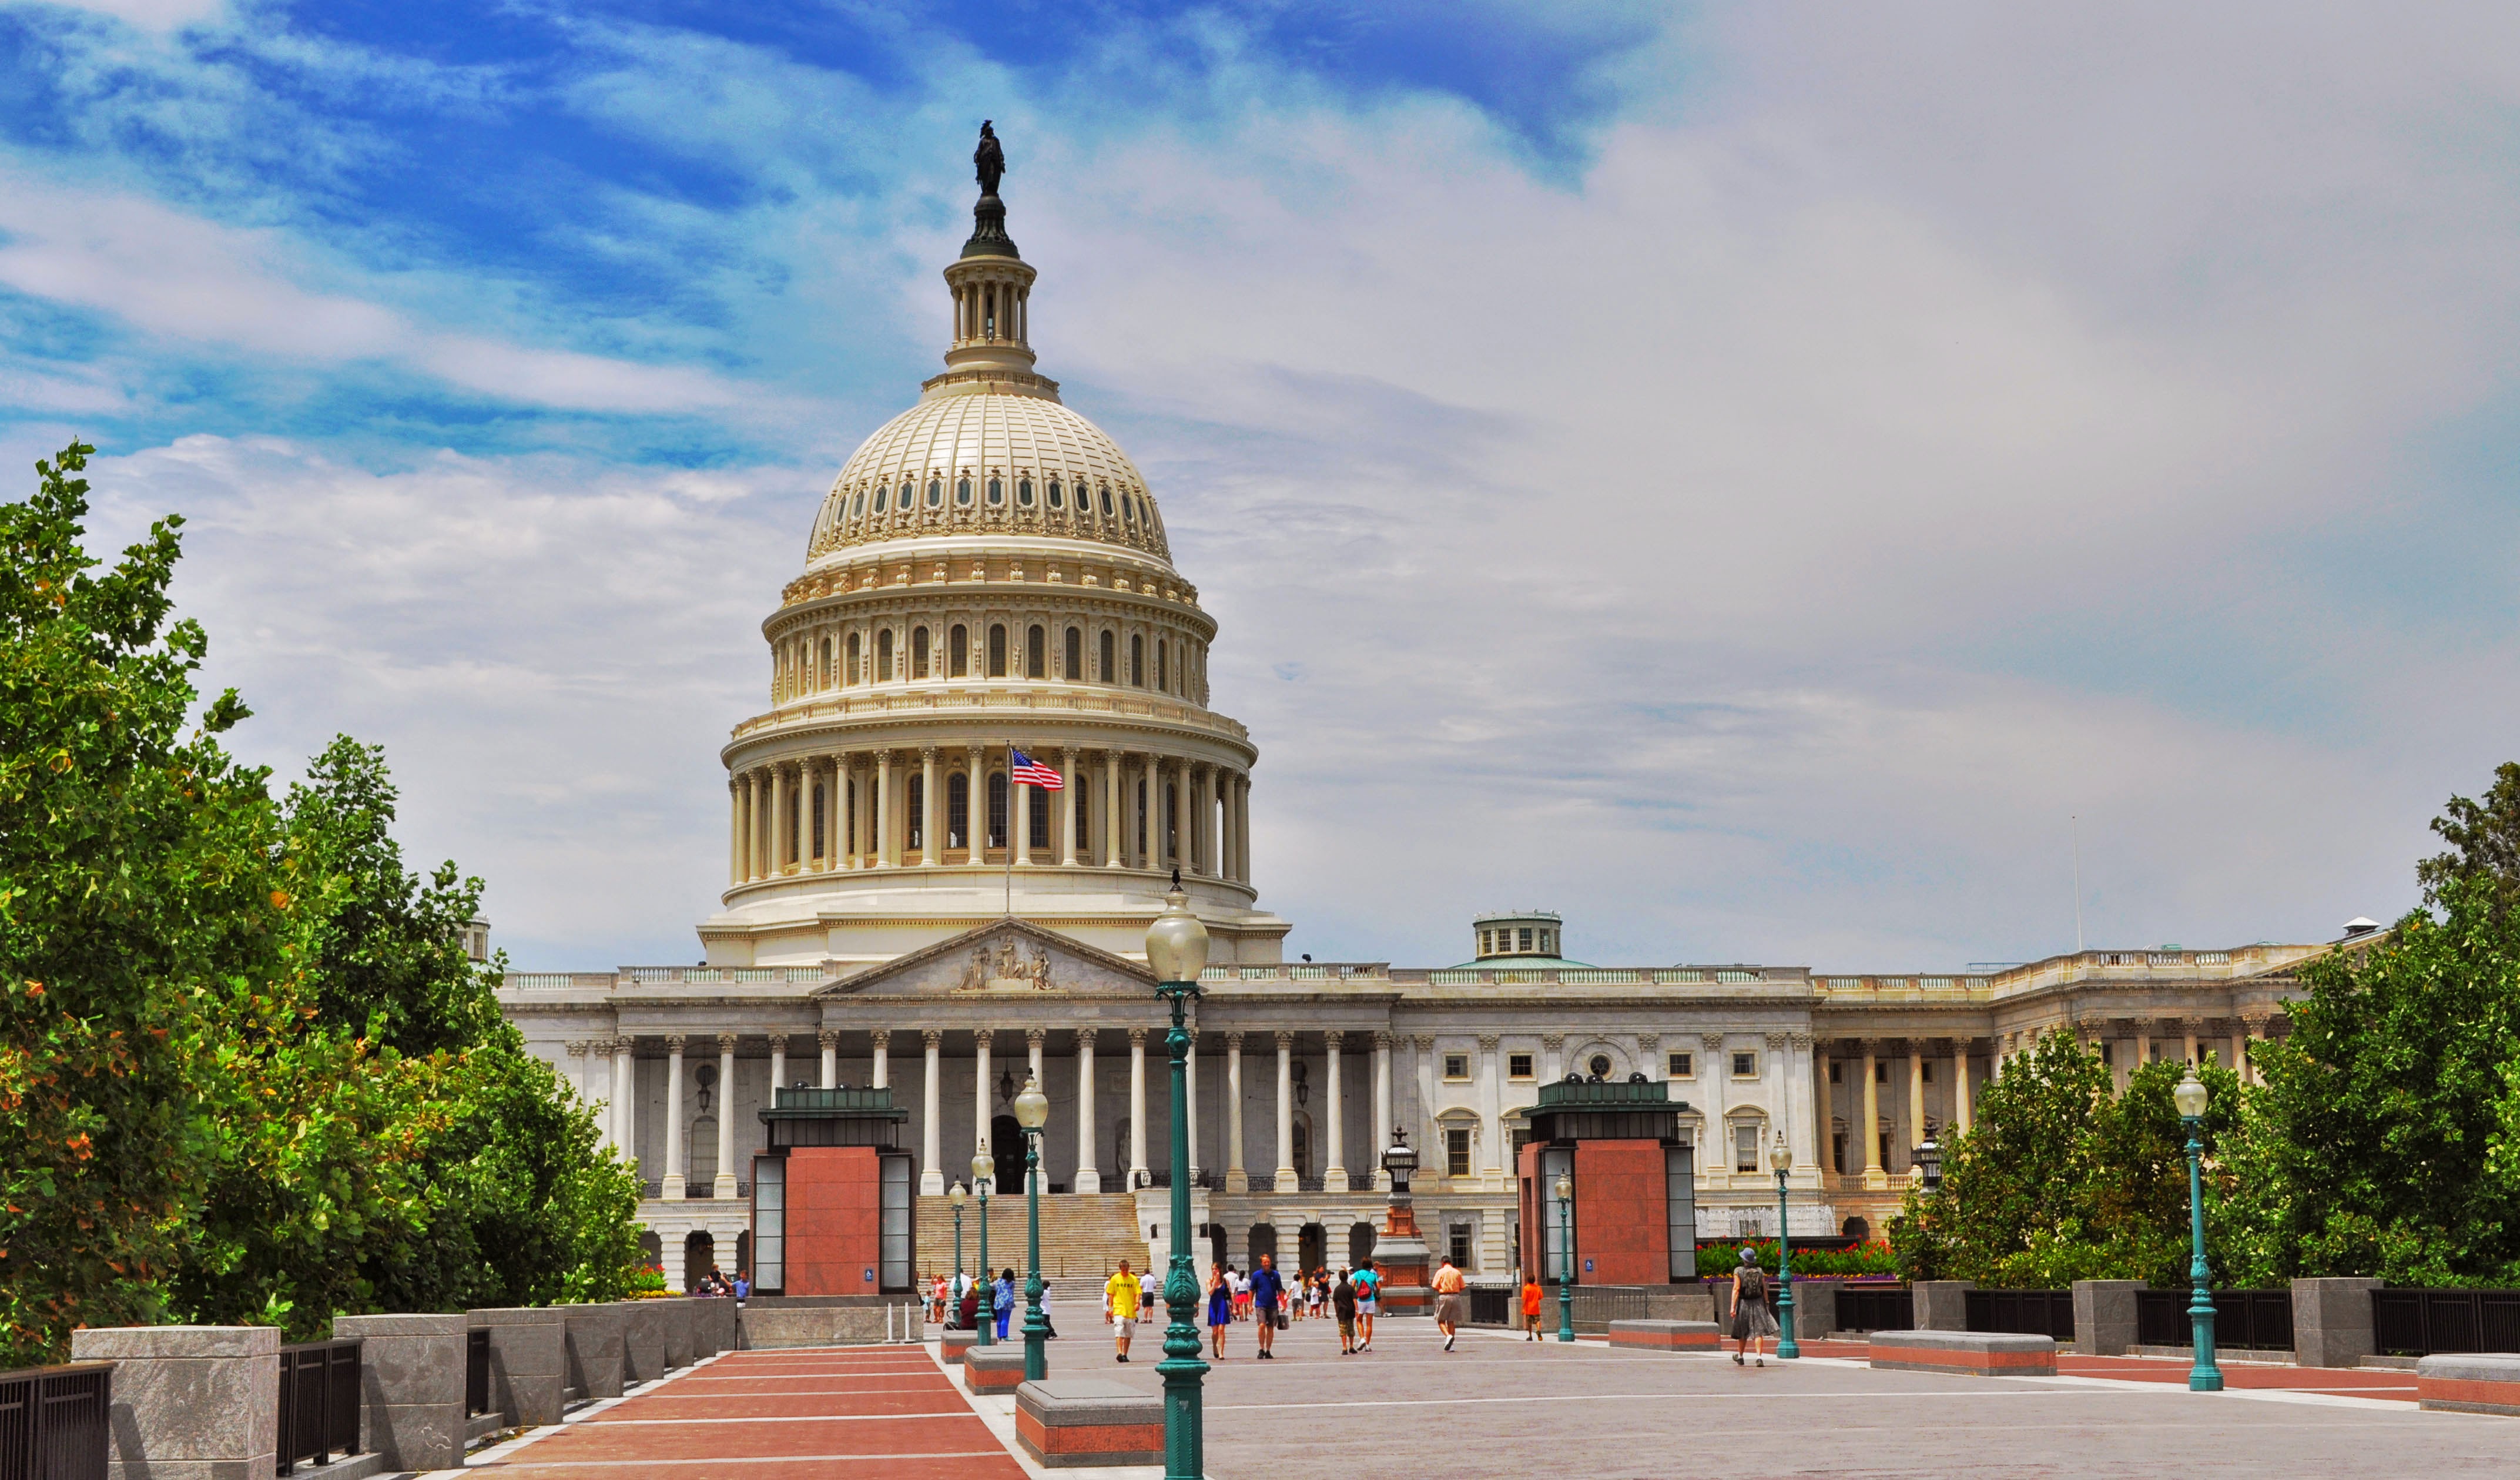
{"x": 1069, "y": 1423}
{"x": 2487, "y": 1383}
{"x": 955, "y": 1345}
{"x": 1666, "y": 1335}
{"x": 190, "y": 1402}
{"x": 528, "y": 1361}
{"x": 2331, "y": 1322}
{"x": 1942, "y": 1305}
{"x": 2104, "y": 1315}
{"x": 993, "y": 1369}
{"x": 1815, "y": 1309}
{"x": 1981, "y": 1354}
{"x": 644, "y": 1338}
{"x": 594, "y": 1338}
{"x": 721, "y": 1325}
{"x": 1403, "y": 1261}
{"x": 681, "y": 1320}
{"x": 411, "y": 1384}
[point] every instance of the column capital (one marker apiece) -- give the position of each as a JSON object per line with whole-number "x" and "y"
{"x": 1085, "y": 1040}
{"x": 577, "y": 1049}
{"x": 1487, "y": 1042}
{"x": 1776, "y": 1043}
{"x": 882, "y": 1037}
{"x": 933, "y": 1038}
{"x": 1233, "y": 1043}
{"x": 1423, "y": 1041}
{"x": 673, "y": 1042}
{"x": 1383, "y": 1038}
{"x": 927, "y": 753}
{"x": 1801, "y": 1043}
{"x": 1333, "y": 1040}
{"x": 778, "y": 1042}
{"x": 625, "y": 1045}
{"x": 882, "y": 756}
{"x": 1137, "y": 1037}
{"x": 1871, "y": 1047}
{"x": 984, "y": 1038}
{"x": 1285, "y": 1041}
{"x": 726, "y": 1043}
{"x": 1714, "y": 1041}
{"x": 1552, "y": 1042}
{"x": 1649, "y": 1042}
{"x": 1036, "y": 1037}
{"x": 828, "y": 1038}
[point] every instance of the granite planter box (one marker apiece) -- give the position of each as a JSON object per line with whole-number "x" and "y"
{"x": 1068, "y": 1422}
{"x": 190, "y": 1402}
{"x": 594, "y": 1334}
{"x": 411, "y": 1384}
{"x": 528, "y": 1361}
{"x": 1980, "y": 1354}
{"x": 1667, "y": 1335}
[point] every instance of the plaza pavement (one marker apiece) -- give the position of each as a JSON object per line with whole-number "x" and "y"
{"x": 1501, "y": 1406}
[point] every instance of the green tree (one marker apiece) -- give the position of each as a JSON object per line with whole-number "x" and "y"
{"x": 2484, "y": 840}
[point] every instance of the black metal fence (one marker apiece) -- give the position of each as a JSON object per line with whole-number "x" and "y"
{"x": 1491, "y": 1305}
{"x": 52, "y": 1421}
{"x": 1876, "y": 1308}
{"x": 476, "y": 1372}
{"x": 2025, "y": 1313}
{"x": 2415, "y": 1322}
{"x": 319, "y": 1401}
{"x": 1597, "y": 1305}
{"x": 2243, "y": 1320}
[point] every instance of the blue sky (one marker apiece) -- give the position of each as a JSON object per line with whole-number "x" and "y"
{"x": 1745, "y": 477}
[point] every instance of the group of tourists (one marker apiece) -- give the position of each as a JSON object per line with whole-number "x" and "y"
{"x": 1261, "y": 1296}
{"x": 964, "y": 1301}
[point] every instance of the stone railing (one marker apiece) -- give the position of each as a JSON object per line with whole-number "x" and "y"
{"x": 953, "y": 703}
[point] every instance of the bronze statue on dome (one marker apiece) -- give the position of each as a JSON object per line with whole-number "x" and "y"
{"x": 989, "y": 159}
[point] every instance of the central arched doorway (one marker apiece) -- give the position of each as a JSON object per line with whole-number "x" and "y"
{"x": 1312, "y": 1247}
{"x": 1007, "y": 1146}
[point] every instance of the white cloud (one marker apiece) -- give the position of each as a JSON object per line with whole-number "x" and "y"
{"x": 150, "y": 15}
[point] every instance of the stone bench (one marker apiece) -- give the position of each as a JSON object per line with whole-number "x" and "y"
{"x": 954, "y": 1345}
{"x": 1980, "y": 1354}
{"x": 2483, "y": 1383}
{"x": 1668, "y": 1335}
{"x": 995, "y": 1369}
{"x": 1069, "y": 1422}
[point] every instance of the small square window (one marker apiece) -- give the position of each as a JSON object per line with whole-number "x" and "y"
{"x": 1523, "y": 935}
{"x": 1518, "y": 1066}
{"x": 1834, "y": 1077}
{"x": 1456, "y": 1066}
{"x": 1680, "y": 1066}
{"x": 1745, "y": 1065}
{"x": 1456, "y": 1151}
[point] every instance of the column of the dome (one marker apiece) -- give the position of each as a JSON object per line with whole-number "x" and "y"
{"x": 1066, "y": 823}
{"x": 1181, "y": 817}
{"x": 883, "y": 858}
{"x": 804, "y": 823}
{"x": 1112, "y": 811}
{"x": 1018, "y": 813}
{"x": 1242, "y": 830}
{"x": 734, "y": 830}
{"x": 778, "y": 810}
{"x": 976, "y": 806}
{"x": 1211, "y": 822}
{"x": 928, "y": 806}
{"x": 1224, "y": 807}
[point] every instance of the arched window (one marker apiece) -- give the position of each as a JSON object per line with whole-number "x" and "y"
{"x": 903, "y": 502}
{"x": 958, "y": 652}
{"x": 936, "y": 492}
{"x": 857, "y": 503}
{"x": 1107, "y": 502}
{"x": 918, "y": 653}
{"x": 997, "y": 651}
{"x": 852, "y": 675}
{"x": 823, "y": 672}
{"x": 1036, "y": 658}
{"x": 1023, "y": 492}
{"x": 819, "y": 814}
{"x": 1083, "y": 792}
{"x": 1137, "y": 660}
{"x": 1075, "y": 655}
{"x": 1040, "y": 809}
{"x": 884, "y": 657}
{"x": 1172, "y": 826}
{"x": 918, "y": 808}
{"x": 1141, "y": 820}
{"x": 997, "y": 809}
{"x": 1163, "y": 679}
{"x": 1055, "y": 495}
{"x": 1127, "y": 513}
{"x": 962, "y": 491}
{"x": 958, "y": 811}
{"x": 1109, "y": 672}
{"x": 998, "y": 492}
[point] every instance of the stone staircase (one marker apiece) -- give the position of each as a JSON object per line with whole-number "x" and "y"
{"x": 1084, "y": 1236}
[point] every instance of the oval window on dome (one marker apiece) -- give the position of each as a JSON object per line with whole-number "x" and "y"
{"x": 1023, "y": 492}
{"x": 903, "y": 502}
{"x": 962, "y": 491}
{"x": 1054, "y": 494}
{"x": 1126, "y": 511}
{"x": 996, "y": 491}
{"x": 936, "y": 492}
{"x": 1106, "y": 501}
{"x": 857, "y": 505}
{"x": 1146, "y": 512}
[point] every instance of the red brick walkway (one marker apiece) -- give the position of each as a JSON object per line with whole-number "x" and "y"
{"x": 887, "y": 1412}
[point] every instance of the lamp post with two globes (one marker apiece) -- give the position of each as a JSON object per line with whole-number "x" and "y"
{"x": 984, "y": 1171}
{"x": 1177, "y": 952}
{"x": 1032, "y": 1112}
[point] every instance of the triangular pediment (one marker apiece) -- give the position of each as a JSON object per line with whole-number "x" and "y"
{"x": 1007, "y": 958}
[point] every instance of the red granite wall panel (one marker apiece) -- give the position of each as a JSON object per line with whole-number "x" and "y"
{"x": 834, "y": 1220}
{"x": 1622, "y": 1228}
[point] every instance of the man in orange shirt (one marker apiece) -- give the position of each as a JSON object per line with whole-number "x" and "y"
{"x": 1530, "y": 1308}
{"x": 1448, "y": 1302}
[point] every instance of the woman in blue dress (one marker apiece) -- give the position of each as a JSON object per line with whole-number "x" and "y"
{"x": 1220, "y": 1306}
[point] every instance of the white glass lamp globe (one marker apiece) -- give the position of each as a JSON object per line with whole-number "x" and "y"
{"x": 2190, "y": 1095}
{"x": 958, "y": 1197}
{"x": 1565, "y": 1189}
{"x": 984, "y": 1172}
{"x": 1177, "y": 943}
{"x": 1032, "y": 1107}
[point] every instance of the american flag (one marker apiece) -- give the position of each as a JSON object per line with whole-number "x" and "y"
{"x": 1032, "y": 773}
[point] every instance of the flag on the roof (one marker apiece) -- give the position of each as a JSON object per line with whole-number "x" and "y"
{"x": 1032, "y": 773}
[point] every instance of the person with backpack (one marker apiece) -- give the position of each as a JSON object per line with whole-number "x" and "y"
{"x": 1752, "y": 1320}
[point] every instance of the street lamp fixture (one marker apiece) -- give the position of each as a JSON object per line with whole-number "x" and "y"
{"x": 957, "y": 1198}
{"x": 984, "y": 1174}
{"x": 1787, "y": 1348}
{"x": 1032, "y": 1112}
{"x": 1929, "y": 1165}
{"x": 2203, "y": 1376}
{"x": 1565, "y": 1190}
{"x": 1177, "y": 953}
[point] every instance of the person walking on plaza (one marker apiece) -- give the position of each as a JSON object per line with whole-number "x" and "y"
{"x": 1752, "y": 1320}
{"x": 1267, "y": 1296}
{"x": 1448, "y": 1302}
{"x": 1004, "y": 1294}
{"x": 1120, "y": 1306}
{"x": 1219, "y": 1308}
{"x": 1369, "y": 1299}
{"x": 1531, "y": 1307}
{"x": 1343, "y": 1306}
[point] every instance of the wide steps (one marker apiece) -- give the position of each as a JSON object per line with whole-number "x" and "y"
{"x": 1084, "y": 1236}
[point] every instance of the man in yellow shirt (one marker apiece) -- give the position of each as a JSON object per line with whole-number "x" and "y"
{"x": 1120, "y": 1306}
{"x": 1448, "y": 1302}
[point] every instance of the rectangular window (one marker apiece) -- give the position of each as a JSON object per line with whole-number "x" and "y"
{"x": 1456, "y": 1066}
{"x": 1556, "y": 1220}
{"x": 1926, "y": 1073}
{"x": 1075, "y": 655}
{"x": 1746, "y": 1065}
{"x": 996, "y": 651}
{"x": 1036, "y": 656}
{"x": 895, "y": 1252}
{"x": 1523, "y": 936}
{"x": 2108, "y": 1054}
{"x": 1518, "y": 1066}
{"x": 1680, "y": 1066}
{"x": 1833, "y": 1076}
{"x": 769, "y": 1223}
{"x": 1456, "y": 1151}
{"x": 1110, "y": 673}
{"x": 919, "y": 652}
{"x": 1680, "y": 1204}
{"x": 1880, "y": 1071}
{"x": 1040, "y": 817}
{"x": 997, "y": 809}
{"x": 1459, "y": 1246}
{"x": 1745, "y": 1146}
{"x": 958, "y": 652}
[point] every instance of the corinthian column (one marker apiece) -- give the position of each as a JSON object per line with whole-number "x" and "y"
{"x": 778, "y": 819}
{"x": 625, "y": 1100}
{"x": 1137, "y": 1106}
{"x": 980, "y": 1046}
{"x": 1068, "y": 813}
{"x": 829, "y": 1040}
{"x": 725, "y": 1184}
{"x": 1087, "y": 1178}
{"x": 674, "y": 1117}
{"x": 1381, "y": 1106}
{"x": 931, "y": 1174}
{"x": 1182, "y": 819}
{"x": 883, "y": 1057}
{"x": 1114, "y": 855}
{"x": 734, "y": 830}
{"x": 928, "y": 807}
{"x": 801, "y": 831}
{"x": 883, "y": 829}
{"x": 1286, "y": 1174}
{"x": 1334, "y": 1159}
{"x": 1875, "y": 1177}
{"x": 1237, "y": 1180}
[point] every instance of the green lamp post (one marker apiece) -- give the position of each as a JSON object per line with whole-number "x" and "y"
{"x": 1032, "y": 1112}
{"x": 984, "y": 1171}
{"x": 957, "y": 1199}
{"x": 1786, "y": 1346}
{"x": 2203, "y": 1376}
{"x": 1565, "y": 1190}
{"x": 1177, "y": 952}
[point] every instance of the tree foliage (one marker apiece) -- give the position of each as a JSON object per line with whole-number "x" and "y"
{"x": 2484, "y": 840}
{"x": 246, "y": 1071}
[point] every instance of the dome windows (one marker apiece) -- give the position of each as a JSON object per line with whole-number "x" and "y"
{"x": 961, "y": 491}
{"x": 936, "y": 492}
{"x": 857, "y": 505}
{"x": 1023, "y": 492}
{"x": 1128, "y": 515}
{"x": 1106, "y": 501}
{"x": 1055, "y": 494}
{"x": 996, "y": 491}
{"x": 903, "y": 502}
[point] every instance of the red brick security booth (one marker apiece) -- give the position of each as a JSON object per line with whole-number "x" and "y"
{"x": 1634, "y": 1209}
{"x": 832, "y": 1197}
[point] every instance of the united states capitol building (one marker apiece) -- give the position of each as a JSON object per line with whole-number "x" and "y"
{"x": 990, "y": 577}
